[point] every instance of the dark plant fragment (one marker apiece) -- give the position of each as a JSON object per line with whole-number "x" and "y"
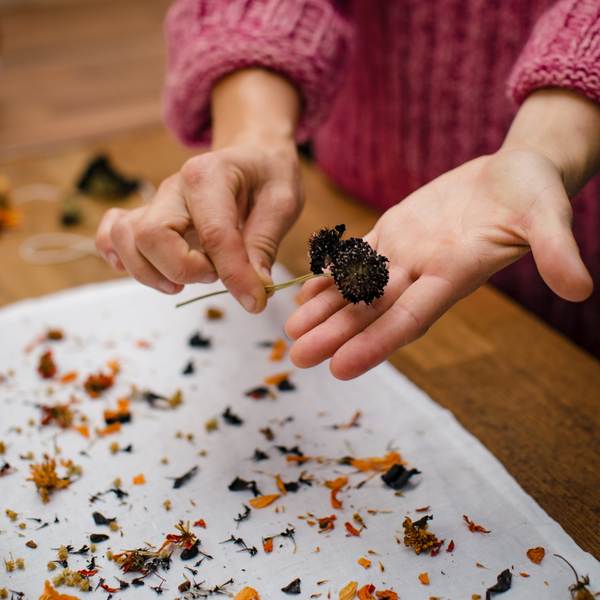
{"x": 504, "y": 581}
{"x": 397, "y": 476}
{"x": 230, "y": 418}
{"x": 100, "y": 519}
{"x": 259, "y": 455}
{"x": 285, "y": 385}
{"x": 96, "y": 538}
{"x": 258, "y": 393}
{"x": 292, "y": 588}
{"x": 189, "y": 370}
{"x": 243, "y": 516}
{"x": 179, "y": 481}
{"x": 240, "y": 485}
{"x": 295, "y": 450}
{"x": 197, "y": 341}
{"x": 100, "y": 180}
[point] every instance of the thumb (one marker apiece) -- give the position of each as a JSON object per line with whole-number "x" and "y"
{"x": 557, "y": 255}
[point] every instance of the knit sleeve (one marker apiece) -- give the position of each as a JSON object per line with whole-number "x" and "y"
{"x": 563, "y": 51}
{"x": 306, "y": 41}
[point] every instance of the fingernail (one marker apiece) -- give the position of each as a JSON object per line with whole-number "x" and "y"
{"x": 248, "y": 302}
{"x": 167, "y": 286}
{"x": 210, "y": 278}
{"x": 113, "y": 260}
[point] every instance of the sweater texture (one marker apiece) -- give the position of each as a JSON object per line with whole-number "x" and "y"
{"x": 397, "y": 92}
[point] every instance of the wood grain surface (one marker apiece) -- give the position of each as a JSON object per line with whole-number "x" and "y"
{"x": 85, "y": 77}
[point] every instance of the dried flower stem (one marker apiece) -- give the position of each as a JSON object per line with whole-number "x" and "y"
{"x": 268, "y": 288}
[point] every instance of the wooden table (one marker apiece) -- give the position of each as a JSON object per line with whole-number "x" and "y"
{"x": 529, "y": 395}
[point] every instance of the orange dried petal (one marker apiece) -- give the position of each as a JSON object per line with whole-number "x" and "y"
{"x": 263, "y": 501}
{"x": 334, "y": 501}
{"x": 336, "y": 484}
{"x": 387, "y": 595}
{"x": 424, "y": 578}
{"x": 365, "y": 562}
{"x": 366, "y": 592}
{"x": 524, "y": 574}
{"x": 536, "y": 554}
{"x": 268, "y": 545}
{"x": 297, "y": 459}
{"x": 84, "y": 430}
{"x": 200, "y": 523}
{"x": 280, "y": 484}
{"x": 276, "y": 379}
{"x": 112, "y": 428}
{"x": 50, "y": 593}
{"x": 139, "y": 479}
{"x": 68, "y": 377}
{"x": 351, "y": 529}
{"x": 278, "y": 350}
{"x": 349, "y": 592}
{"x": 247, "y": 593}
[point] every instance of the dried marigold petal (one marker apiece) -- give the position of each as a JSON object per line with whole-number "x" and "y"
{"x": 424, "y": 578}
{"x": 298, "y": 459}
{"x": 68, "y": 377}
{"x": 536, "y": 554}
{"x": 280, "y": 484}
{"x": 50, "y": 593}
{"x": 473, "y": 527}
{"x": 337, "y": 484}
{"x": 351, "y": 529}
{"x": 47, "y": 368}
{"x": 84, "y": 430}
{"x": 376, "y": 463}
{"x": 278, "y": 350}
{"x": 524, "y": 574}
{"x": 109, "y": 429}
{"x": 366, "y": 592}
{"x": 145, "y": 344}
{"x": 334, "y": 501}
{"x": 268, "y": 544}
{"x": 263, "y": 501}
{"x": 326, "y": 523}
{"x": 200, "y": 523}
{"x": 139, "y": 479}
{"x": 450, "y": 546}
{"x": 365, "y": 562}
{"x": 247, "y": 593}
{"x": 387, "y": 595}
{"x": 349, "y": 592}
{"x": 276, "y": 379}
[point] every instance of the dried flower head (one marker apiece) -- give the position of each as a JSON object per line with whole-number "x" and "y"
{"x": 416, "y": 535}
{"x": 359, "y": 272}
{"x": 323, "y": 247}
{"x": 45, "y": 478}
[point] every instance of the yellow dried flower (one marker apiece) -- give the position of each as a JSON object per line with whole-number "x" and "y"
{"x": 20, "y": 562}
{"x": 45, "y": 478}
{"x": 51, "y": 566}
{"x": 12, "y": 514}
{"x": 418, "y": 537}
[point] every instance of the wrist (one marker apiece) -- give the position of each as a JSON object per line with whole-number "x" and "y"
{"x": 254, "y": 106}
{"x": 564, "y": 126}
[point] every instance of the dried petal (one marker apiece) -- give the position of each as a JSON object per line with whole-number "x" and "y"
{"x": 50, "y": 593}
{"x": 278, "y": 350}
{"x": 387, "y": 595}
{"x": 247, "y": 593}
{"x": 473, "y": 527}
{"x": 424, "y": 578}
{"x": 263, "y": 501}
{"x": 337, "y": 484}
{"x": 349, "y": 592}
{"x": 365, "y": 562}
{"x": 366, "y": 592}
{"x": 334, "y": 501}
{"x": 536, "y": 554}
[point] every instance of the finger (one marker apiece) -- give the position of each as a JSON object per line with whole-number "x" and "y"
{"x": 211, "y": 188}
{"x": 332, "y": 324}
{"x": 161, "y": 237}
{"x": 274, "y": 212}
{"x": 557, "y": 255}
{"x": 408, "y": 319}
{"x": 123, "y": 241}
{"x": 103, "y": 242}
{"x": 314, "y": 287}
{"x": 316, "y": 310}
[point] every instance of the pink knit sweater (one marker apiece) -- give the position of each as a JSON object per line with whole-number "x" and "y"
{"x": 396, "y": 92}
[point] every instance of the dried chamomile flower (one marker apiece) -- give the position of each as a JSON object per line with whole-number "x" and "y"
{"x": 323, "y": 246}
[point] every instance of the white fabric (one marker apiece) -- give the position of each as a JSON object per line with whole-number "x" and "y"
{"x": 106, "y": 321}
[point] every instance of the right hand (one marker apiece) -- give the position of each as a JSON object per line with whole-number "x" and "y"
{"x": 222, "y": 216}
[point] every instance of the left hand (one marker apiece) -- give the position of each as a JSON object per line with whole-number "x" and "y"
{"x": 443, "y": 242}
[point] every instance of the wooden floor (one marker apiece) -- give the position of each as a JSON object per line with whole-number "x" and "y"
{"x": 79, "y": 71}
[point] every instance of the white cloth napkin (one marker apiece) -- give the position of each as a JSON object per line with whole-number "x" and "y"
{"x": 142, "y": 330}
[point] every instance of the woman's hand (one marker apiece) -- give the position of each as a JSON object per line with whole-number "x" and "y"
{"x": 223, "y": 215}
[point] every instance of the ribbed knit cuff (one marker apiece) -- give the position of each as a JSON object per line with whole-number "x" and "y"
{"x": 563, "y": 51}
{"x": 306, "y": 41}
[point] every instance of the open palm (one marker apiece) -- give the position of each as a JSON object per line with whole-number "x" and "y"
{"x": 443, "y": 242}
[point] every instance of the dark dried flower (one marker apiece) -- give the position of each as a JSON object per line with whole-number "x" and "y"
{"x": 416, "y": 534}
{"x": 359, "y": 272}
{"x": 323, "y": 246}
